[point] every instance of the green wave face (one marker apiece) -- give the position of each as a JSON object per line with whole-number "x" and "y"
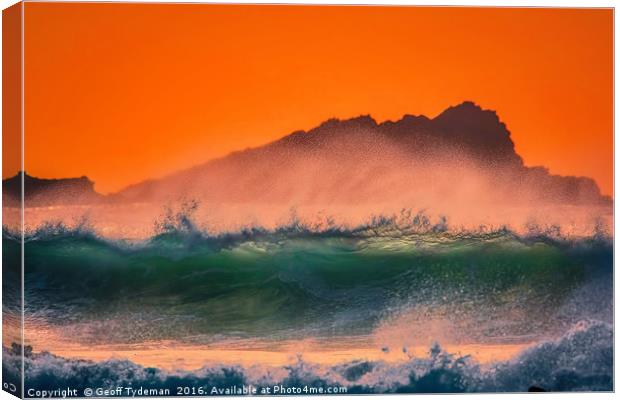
{"x": 286, "y": 286}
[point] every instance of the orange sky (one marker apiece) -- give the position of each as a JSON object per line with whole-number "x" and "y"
{"x": 125, "y": 92}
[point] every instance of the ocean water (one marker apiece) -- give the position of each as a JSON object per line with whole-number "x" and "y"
{"x": 379, "y": 286}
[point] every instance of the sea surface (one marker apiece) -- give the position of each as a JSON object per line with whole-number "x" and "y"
{"x": 376, "y": 309}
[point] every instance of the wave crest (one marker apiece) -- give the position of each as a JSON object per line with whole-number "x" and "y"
{"x": 179, "y": 224}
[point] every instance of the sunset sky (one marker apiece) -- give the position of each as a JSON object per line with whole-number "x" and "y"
{"x": 126, "y": 92}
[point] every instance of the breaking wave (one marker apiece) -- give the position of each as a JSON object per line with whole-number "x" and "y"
{"x": 317, "y": 279}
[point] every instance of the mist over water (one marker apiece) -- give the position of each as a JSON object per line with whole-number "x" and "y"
{"x": 461, "y": 166}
